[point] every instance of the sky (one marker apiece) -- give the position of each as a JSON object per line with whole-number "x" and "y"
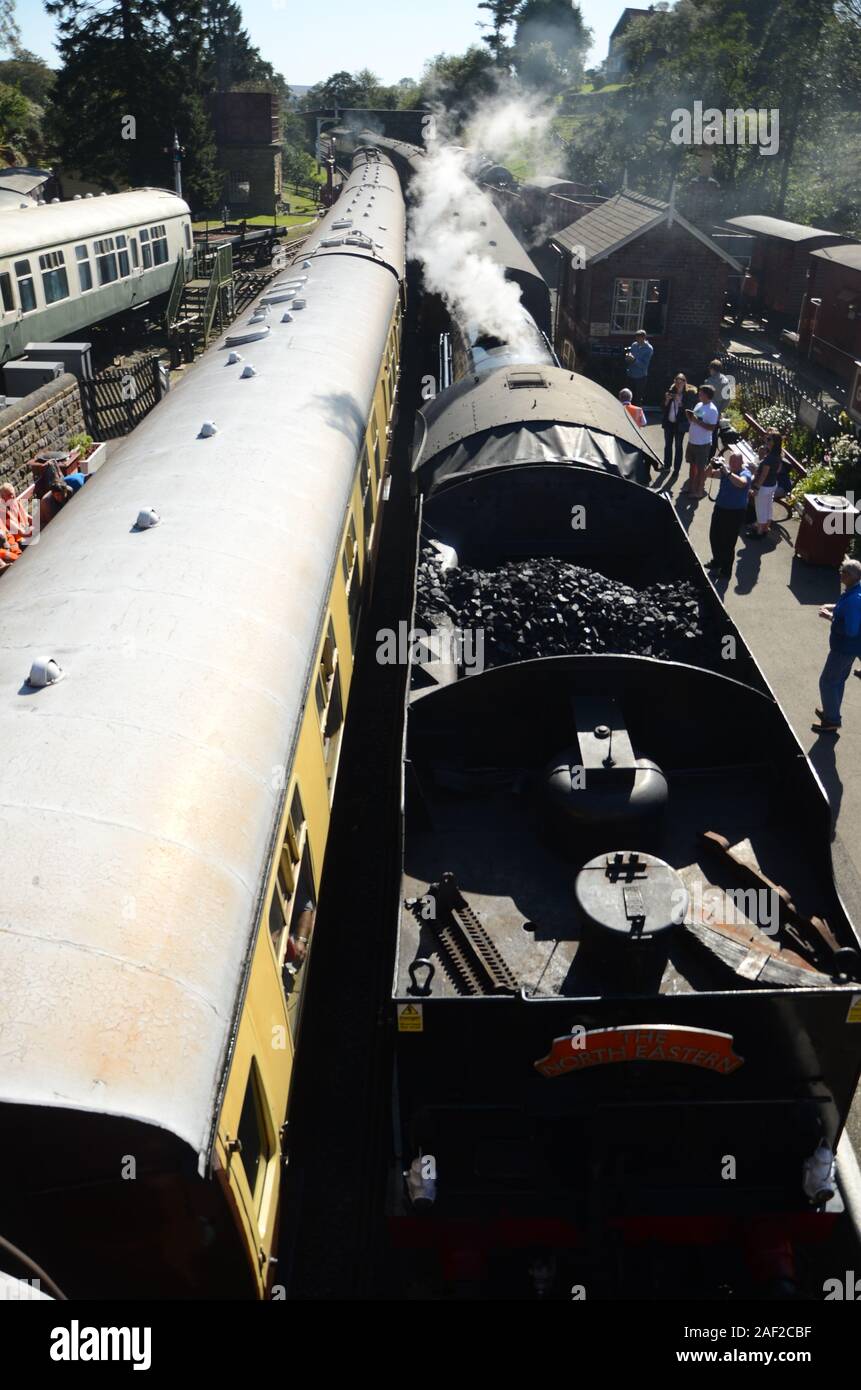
{"x": 307, "y": 43}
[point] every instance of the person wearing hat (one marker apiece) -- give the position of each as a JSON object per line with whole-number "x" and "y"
{"x": 844, "y": 646}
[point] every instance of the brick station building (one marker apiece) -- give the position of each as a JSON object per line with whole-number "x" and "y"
{"x": 635, "y": 262}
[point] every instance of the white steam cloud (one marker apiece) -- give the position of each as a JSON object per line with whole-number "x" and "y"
{"x": 445, "y": 230}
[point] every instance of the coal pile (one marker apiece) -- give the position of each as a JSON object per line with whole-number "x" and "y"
{"x": 547, "y": 607}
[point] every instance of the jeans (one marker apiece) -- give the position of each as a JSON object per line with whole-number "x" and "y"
{"x": 674, "y": 444}
{"x": 835, "y": 674}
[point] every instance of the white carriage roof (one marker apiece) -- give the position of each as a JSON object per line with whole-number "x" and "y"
{"x": 55, "y": 224}
{"x": 139, "y": 795}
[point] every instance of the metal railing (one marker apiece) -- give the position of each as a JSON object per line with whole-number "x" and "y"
{"x": 220, "y": 277}
{"x": 770, "y": 384}
{"x": 177, "y": 285}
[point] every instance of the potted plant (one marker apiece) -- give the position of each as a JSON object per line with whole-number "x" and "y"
{"x": 91, "y": 455}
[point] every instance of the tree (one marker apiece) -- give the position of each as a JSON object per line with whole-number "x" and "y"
{"x": 558, "y": 23}
{"x": 133, "y": 72}
{"x": 10, "y": 34}
{"x": 30, "y": 74}
{"x": 502, "y": 13}
{"x": 539, "y": 67}
{"x": 297, "y": 167}
{"x": 457, "y": 83}
{"x": 14, "y": 113}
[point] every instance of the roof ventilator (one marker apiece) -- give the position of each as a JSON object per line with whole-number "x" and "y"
{"x": 43, "y": 672}
{"x": 147, "y": 518}
{"x": 208, "y": 429}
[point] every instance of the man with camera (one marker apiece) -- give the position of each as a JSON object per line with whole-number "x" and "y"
{"x": 729, "y": 510}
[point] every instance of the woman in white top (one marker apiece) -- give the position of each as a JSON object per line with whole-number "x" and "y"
{"x": 765, "y": 483}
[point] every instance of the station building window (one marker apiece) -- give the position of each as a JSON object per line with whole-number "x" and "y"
{"x": 55, "y": 281}
{"x": 7, "y": 292}
{"x": 85, "y": 270}
{"x": 106, "y": 260}
{"x": 639, "y": 304}
{"x": 26, "y": 288}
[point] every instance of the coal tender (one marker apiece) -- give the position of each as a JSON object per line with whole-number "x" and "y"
{"x": 626, "y": 1001}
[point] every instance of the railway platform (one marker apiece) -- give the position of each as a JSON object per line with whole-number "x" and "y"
{"x": 774, "y": 599}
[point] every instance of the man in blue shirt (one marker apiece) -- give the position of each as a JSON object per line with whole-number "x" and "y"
{"x": 728, "y": 514}
{"x": 845, "y": 644}
{"x": 638, "y": 356}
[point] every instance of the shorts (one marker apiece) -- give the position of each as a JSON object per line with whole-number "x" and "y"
{"x": 698, "y": 455}
{"x": 764, "y": 502}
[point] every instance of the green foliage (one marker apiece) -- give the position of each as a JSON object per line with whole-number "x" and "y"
{"x": 298, "y": 168}
{"x": 14, "y": 112}
{"x": 844, "y": 458}
{"x": 819, "y": 480}
{"x": 82, "y": 441}
{"x": 557, "y": 25}
{"x": 502, "y": 13}
{"x": 30, "y": 74}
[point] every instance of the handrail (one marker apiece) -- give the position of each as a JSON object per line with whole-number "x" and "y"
{"x": 221, "y": 274}
{"x": 760, "y": 429}
{"x": 177, "y": 286}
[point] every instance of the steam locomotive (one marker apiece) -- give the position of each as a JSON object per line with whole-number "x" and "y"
{"x": 626, "y": 997}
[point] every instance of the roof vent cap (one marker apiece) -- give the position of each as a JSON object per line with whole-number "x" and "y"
{"x": 233, "y": 358}
{"x": 247, "y": 371}
{"x": 208, "y": 429}
{"x": 286, "y": 318}
{"x": 146, "y": 518}
{"x": 44, "y": 671}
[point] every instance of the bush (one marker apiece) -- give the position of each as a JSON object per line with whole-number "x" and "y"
{"x": 81, "y": 441}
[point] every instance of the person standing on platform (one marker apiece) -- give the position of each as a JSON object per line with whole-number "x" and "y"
{"x": 844, "y": 646}
{"x": 729, "y": 509}
{"x": 636, "y": 412}
{"x": 678, "y": 399}
{"x": 703, "y": 419}
{"x": 638, "y": 357}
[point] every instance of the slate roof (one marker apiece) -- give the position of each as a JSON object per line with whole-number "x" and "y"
{"x": 621, "y": 219}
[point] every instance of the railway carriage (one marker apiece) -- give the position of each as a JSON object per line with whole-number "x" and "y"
{"x": 64, "y": 266}
{"x": 166, "y": 790}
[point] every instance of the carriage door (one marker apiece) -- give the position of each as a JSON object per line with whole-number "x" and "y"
{"x": 137, "y": 268}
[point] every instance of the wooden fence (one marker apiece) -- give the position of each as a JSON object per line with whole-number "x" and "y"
{"x": 116, "y": 400}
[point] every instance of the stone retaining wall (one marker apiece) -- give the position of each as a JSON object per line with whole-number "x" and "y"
{"x": 42, "y": 420}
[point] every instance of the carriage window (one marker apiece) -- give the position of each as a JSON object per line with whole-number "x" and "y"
{"x": 85, "y": 270}
{"x": 135, "y": 257}
{"x": 188, "y": 236}
{"x": 55, "y": 281}
{"x": 350, "y": 546}
{"x": 123, "y": 254}
{"x": 26, "y": 288}
{"x": 254, "y": 1150}
{"x": 106, "y": 260}
{"x": 7, "y": 292}
{"x": 377, "y": 454}
{"x": 146, "y": 249}
{"x": 158, "y": 237}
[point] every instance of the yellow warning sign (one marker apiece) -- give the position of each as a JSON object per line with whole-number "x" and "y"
{"x": 410, "y": 1018}
{"x": 854, "y": 1014}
